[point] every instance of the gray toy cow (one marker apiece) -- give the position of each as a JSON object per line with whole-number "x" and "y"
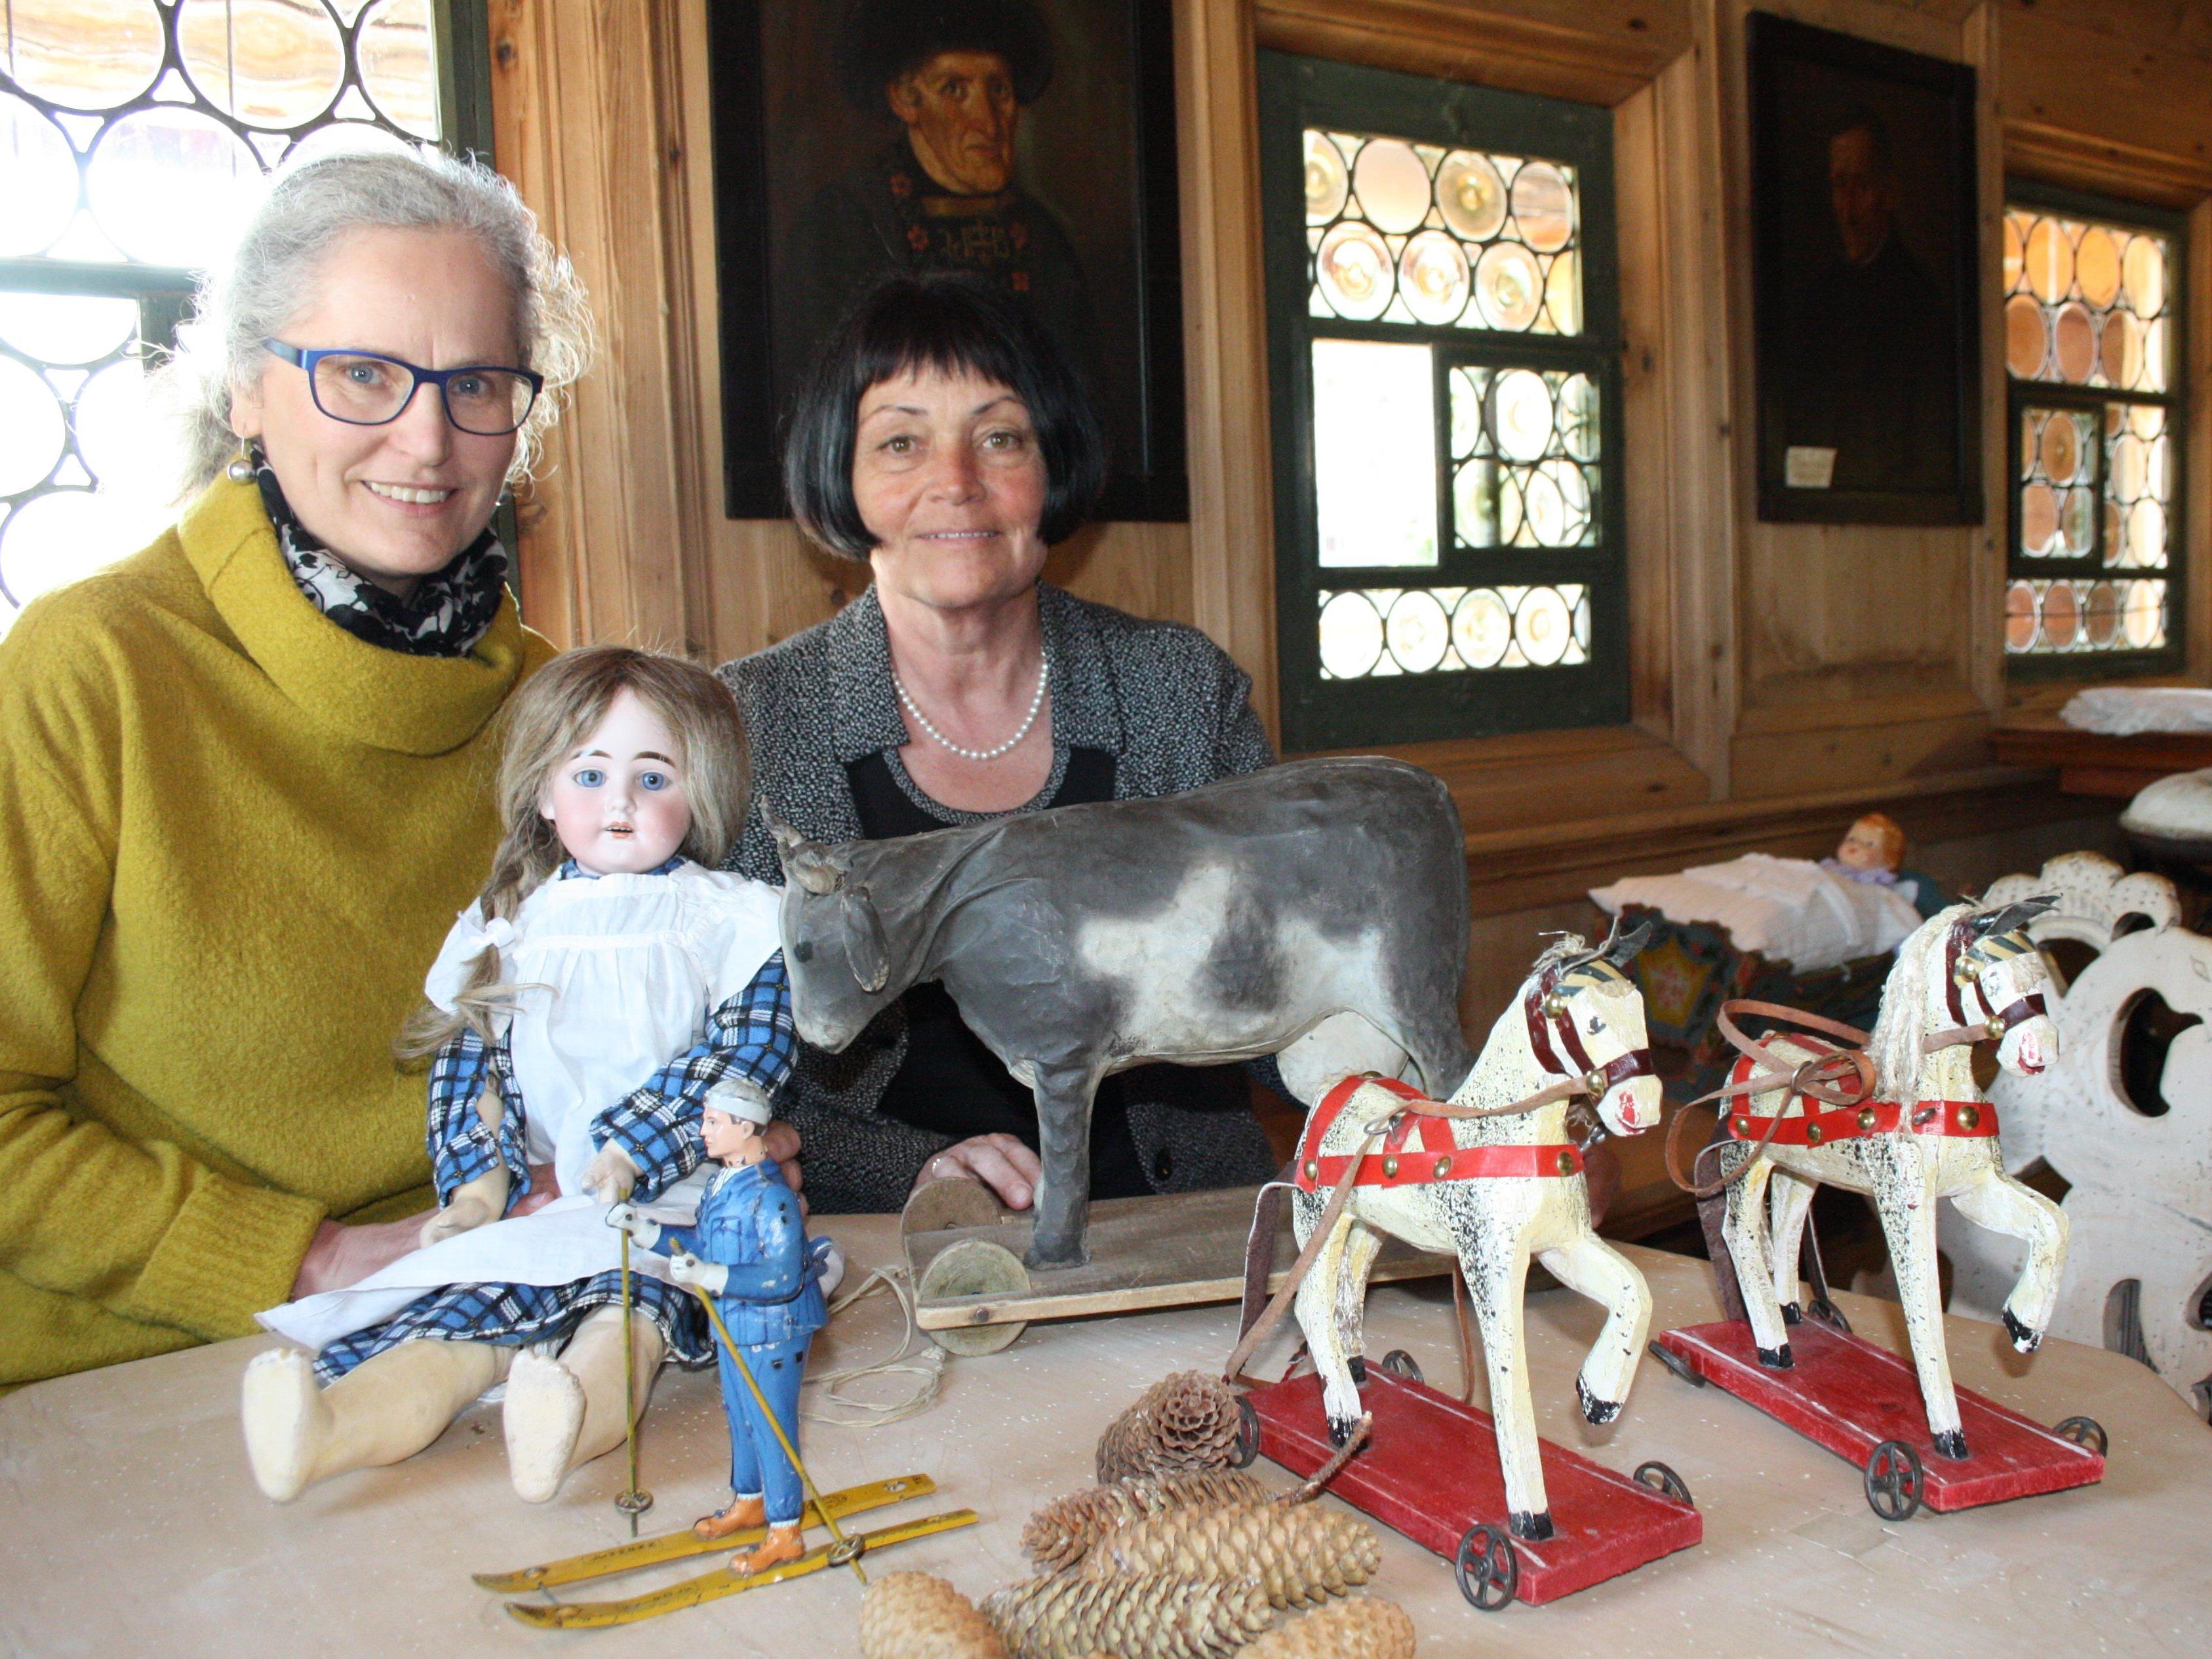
{"x": 1317, "y": 910}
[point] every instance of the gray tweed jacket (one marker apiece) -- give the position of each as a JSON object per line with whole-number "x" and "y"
{"x": 1166, "y": 701}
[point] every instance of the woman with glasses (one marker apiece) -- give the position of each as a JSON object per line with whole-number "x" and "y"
{"x": 245, "y": 775}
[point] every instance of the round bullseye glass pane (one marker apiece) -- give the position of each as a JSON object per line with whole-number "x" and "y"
{"x": 1471, "y": 195}
{"x": 2049, "y": 262}
{"x": 2143, "y": 270}
{"x": 2061, "y": 617}
{"x": 2100, "y": 618}
{"x": 1523, "y": 423}
{"x": 398, "y": 55}
{"x": 2031, "y": 442}
{"x": 2077, "y": 521}
{"x": 1578, "y": 417}
{"x": 2151, "y": 377}
{"x": 1474, "y": 504}
{"x": 1562, "y": 292}
{"x": 346, "y": 138}
{"x": 1544, "y": 509}
{"x": 38, "y": 181}
{"x": 2121, "y": 349}
{"x": 1508, "y": 286}
{"x": 2020, "y": 617}
{"x": 66, "y": 328}
{"x": 51, "y": 540}
{"x": 2062, "y": 449}
{"x": 2038, "y": 518}
{"x": 1572, "y": 485}
{"x": 1482, "y": 627}
{"x": 2146, "y": 533}
{"x": 2027, "y": 337}
{"x": 121, "y": 437}
{"x": 1544, "y": 626}
{"x": 1328, "y": 181}
{"x": 173, "y": 186}
{"x": 2077, "y": 339}
{"x": 2015, "y": 252}
{"x": 1419, "y": 631}
{"x": 1544, "y": 207}
{"x": 1351, "y": 636}
{"x": 2143, "y": 618}
{"x": 1432, "y": 275}
{"x": 1393, "y": 185}
{"x": 2097, "y": 266}
{"x": 32, "y": 429}
{"x": 270, "y": 63}
{"x": 1354, "y": 267}
{"x": 81, "y": 54}
{"x": 2131, "y": 465}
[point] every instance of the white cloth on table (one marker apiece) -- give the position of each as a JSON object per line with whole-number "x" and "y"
{"x": 2120, "y": 711}
{"x": 615, "y": 976}
{"x": 1786, "y": 909}
{"x": 2178, "y": 808}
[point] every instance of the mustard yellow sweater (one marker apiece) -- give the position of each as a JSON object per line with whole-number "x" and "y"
{"x": 232, "y": 838}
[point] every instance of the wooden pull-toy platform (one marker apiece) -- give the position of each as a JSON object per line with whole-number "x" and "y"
{"x": 1863, "y": 1403}
{"x": 1430, "y": 1471}
{"x": 973, "y": 1295}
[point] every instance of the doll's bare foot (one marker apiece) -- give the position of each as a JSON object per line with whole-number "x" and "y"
{"x": 743, "y": 1512}
{"x": 287, "y": 1421}
{"x": 545, "y": 1412}
{"x": 782, "y": 1545}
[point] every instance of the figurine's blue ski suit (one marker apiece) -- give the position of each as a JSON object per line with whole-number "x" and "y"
{"x": 772, "y": 1304}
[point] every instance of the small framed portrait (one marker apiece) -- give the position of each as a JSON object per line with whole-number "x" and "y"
{"x": 1867, "y": 293}
{"x": 1028, "y": 143}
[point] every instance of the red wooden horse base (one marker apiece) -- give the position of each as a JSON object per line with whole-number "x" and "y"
{"x": 1430, "y": 1472}
{"x": 1863, "y": 1404}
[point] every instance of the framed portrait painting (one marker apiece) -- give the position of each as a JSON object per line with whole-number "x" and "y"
{"x": 1867, "y": 291}
{"x": 1028, "y": 143}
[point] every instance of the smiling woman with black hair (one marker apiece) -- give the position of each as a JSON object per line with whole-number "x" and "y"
{"x": 945, "y": 439}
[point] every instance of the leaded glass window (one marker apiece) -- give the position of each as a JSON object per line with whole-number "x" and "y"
{"x": 2093, "y": 341}
{"x": 135, "y": 137}
{"x": 1442, "y": 301}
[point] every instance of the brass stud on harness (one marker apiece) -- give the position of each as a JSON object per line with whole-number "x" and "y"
{"x": 1595, "y": 1082}
{"x": 1995, "y": 1028}
{"x": 1969, "y": 1116}
{"x": 1868, "y": 1118}
{"x": 1313, "y": 1169}
{"x": 1743, "y": 1125}
{"x": 1567, "y": 1161}
{"x": 1444, "y": 1166}
{"x": 1555, "y": 1004}
{"x": 1814, "y": 1134}
{"x": 1390, "y": 1167}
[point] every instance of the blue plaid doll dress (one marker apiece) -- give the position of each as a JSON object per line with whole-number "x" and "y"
{"x": 633, "y": 995}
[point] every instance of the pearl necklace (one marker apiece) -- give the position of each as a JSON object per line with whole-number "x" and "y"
{"x": 1036, "y": 702}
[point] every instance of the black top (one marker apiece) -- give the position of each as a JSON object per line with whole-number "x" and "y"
{"x": 949, "y": 1083}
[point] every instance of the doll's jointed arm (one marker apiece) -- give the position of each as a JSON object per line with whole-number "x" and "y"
{"x": 749, "y": 1040}
{"x": 475, "y": 1129}
{"x": 481, "y": 1199}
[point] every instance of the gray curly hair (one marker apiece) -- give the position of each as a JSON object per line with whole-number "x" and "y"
{"x": 272, "y": 272}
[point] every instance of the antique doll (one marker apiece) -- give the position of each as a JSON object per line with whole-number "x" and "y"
{"x": 748, "y": 1252}
{"x": 607, "y": 978}
{"x": 1870, "y": 851}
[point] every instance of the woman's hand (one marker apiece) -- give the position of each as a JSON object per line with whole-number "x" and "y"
{"x": 342, "y": 1255}
{"x": 1002, "y": 1162}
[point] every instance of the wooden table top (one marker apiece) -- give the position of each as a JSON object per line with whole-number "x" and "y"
{"x": 129, "y": 1523}
{"x": 2094, "y": 763}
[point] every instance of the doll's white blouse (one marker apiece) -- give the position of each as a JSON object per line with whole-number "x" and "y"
{"x": 615, "y": 978}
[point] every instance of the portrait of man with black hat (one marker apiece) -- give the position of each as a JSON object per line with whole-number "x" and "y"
{"x": 944, "y": 193}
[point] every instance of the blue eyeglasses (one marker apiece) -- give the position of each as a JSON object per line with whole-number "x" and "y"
{"x": 363, "y": 388}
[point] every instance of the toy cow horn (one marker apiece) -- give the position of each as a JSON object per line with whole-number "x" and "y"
{"x": 2014, "y": 917}
{"x": 1621, "y": 948}
{"x": 802, "y": 861}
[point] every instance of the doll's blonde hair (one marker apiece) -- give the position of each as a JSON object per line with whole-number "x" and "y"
{"x": 554, "y": 711}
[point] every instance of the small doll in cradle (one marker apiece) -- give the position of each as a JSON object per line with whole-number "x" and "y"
{"x": 608, "y": 977}
{"x": 1871, "y": 852}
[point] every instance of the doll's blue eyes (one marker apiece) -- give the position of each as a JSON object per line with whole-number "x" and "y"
{"x": 653, "y": 780}
{"x": 590, "y": 778}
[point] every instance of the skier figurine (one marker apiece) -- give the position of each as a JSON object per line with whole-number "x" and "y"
{"x": 748, "y": 1252}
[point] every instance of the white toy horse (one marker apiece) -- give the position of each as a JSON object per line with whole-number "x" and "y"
{"x": 1493, "y": 1182}
{"x": 1965, "y": 976}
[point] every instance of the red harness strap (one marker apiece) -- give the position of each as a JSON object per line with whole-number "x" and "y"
{"x": 1973, "y": 1119}
{"x": 1434, "y": 1158}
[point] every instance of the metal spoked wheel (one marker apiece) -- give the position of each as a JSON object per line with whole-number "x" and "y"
{"x": 1660, "y": 1479}
{"x": 1399, "y": 1363}
{"x": 1893, "y": 1480}
{"x": 1674, "y": 1363}
{"x": 1248, "y": 1434}
{"x": 2084, "y": 1432}
{"x": 1488, "y": 1569}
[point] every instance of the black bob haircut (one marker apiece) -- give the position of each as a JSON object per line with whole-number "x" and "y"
{"x": 955, "y": 325}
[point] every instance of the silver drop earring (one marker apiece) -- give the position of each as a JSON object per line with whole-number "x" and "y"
{"x": 241, "y": 468}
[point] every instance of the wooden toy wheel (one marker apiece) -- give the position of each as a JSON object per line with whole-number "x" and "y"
{"x": 1248, "y": 1434}
{"x": 974, "y": 1267}
{"x": 1893, "y": 1480}
{"x": 1488, "y": 1569}
{"x": 1660, "y": 1479}
{"x": 2085, "y": 1431}
{"x": 1399, "y": 1363}
{"x": 1674, "y": 1363}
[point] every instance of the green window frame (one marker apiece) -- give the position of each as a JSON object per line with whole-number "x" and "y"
{"x": 1467, "y": 616}
{"x": 2073, "y": 605}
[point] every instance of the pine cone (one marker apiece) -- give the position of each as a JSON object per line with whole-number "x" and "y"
{"x": 1362, "y": 1628}
{"x": 1058, "y": 1534}
{"x": 911, "y": 1615}
{"x": 1146, "y": 1616}
{"x": 1297, "y": 1554}
{"x": 1186, "y": 1421}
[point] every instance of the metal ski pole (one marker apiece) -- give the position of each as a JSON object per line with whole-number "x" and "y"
{"x": 630, "y": 1501}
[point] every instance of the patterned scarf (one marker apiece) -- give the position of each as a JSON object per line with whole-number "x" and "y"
{"x": 450, "y": 608}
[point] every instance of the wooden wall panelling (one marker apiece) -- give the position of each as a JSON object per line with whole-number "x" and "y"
{"x": 1983, "y": 623}
{"x": 2110, "y": 95}
{"x": 583, "y": 104}
{"x": 1597, "y": 51}
{"x": 2196, "y": 514}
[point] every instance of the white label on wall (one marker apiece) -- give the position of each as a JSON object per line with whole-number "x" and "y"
{"x": 1804, "y": 467}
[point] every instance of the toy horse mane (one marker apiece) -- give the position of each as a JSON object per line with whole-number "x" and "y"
{"x": 1896, "y": 1050}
